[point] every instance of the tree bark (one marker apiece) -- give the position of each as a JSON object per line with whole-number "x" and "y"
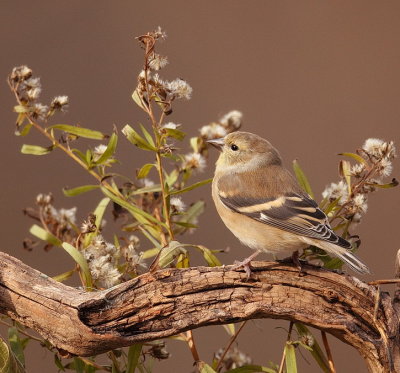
{"x": 170, "y": 301}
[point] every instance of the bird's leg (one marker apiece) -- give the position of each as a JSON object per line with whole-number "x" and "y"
{"x": 294, "y": 258}
{"x": 245, "y": 264}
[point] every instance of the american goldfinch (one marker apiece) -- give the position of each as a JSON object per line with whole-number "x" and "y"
{"x": 260, "y": 201}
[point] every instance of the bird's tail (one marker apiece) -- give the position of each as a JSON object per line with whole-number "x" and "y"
{"x": 352, "y": 261}
{"x": 343, "y": 254}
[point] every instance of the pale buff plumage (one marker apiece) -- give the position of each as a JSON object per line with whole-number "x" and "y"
{"x": 263, "y": 205}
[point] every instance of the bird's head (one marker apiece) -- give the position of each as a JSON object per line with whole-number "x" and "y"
{"x": 245, "y": 149}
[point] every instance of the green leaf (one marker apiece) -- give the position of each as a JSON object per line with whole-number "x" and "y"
{"x": 100, "y": 210}
{"x": 42, "y": 234}
{"x": 171, "y": 178}
{"x": 195, "y": 144}
{"x": 290, "y": 358}
{"x": 63, "y": 276}
{"x": 136, "y": 139}
{"x": 110, "y": 150}
{"x": 316, "y": 351}
{"x": 251, "y": 369}
{"x": 356, "y": 157}
{"x": 147, "y": 135}
{"x": 58, "y": 363}
{"x": 16, "y": 344}
{"x": 205, "y": 368}
{"x": 144, "y": 171}
{"x": 80, "y": 131}
{"x": 79, "y": 190}
{"x": 191, "y": 187}
{"x": 8, "y": 361}
{"x": 21, "y": 109}
{"x": 149, "y": 189}
{"x": 140, "y": 215}
{"x": 81, "y": 261}
{"x": 302, "y": 178}
{"x": 36, "y": 149}
{"x": 230, "y": 328}
{"x": 25, "y": 131}
{"x": 133, "y": 357}
{"x": 170, "y": 252}
{"x": 393, "y": 184}
{"x": 209, "y": 256}
{"x": 176, "y": 134}
{"x": 79, "y": 365}
{"x": 138, "y": 100}
{"x": 344, "y": 171}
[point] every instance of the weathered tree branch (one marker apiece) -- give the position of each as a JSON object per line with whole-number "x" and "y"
{"x": 171, "y": 301}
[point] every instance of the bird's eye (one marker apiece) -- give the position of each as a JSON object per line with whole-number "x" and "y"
{"x": 234, "y": 147}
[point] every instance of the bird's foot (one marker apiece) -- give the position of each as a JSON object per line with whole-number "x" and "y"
{"x": 245, "y": 264}
{"x": 294, "y": 258}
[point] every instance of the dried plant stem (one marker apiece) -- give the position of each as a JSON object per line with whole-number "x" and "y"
{"x": 192, "y": 345}
{"x": 64, "y": 148}
{"x": 229, "y": 345}
{"x": 164, "y": 196}
{"x": 328, "y": 352}
{"x": 284, "y": 350}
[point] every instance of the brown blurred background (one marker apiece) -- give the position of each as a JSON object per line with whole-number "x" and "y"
{"x": 314, "y": 77}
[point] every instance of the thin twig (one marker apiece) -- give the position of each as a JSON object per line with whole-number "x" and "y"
{"x": 229, "y": 345}
{"x": 328, "y": 352}
{"x": 22, "y": 332}
{"x": 383, "y": 282}
{"x": 192, "y": 345}
{"x": 284, "y": 350}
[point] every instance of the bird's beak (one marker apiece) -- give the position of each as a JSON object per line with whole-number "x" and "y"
{"x": 217, "y": 143}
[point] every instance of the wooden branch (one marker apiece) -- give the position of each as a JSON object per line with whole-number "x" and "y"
{"x": 170, "y": 301}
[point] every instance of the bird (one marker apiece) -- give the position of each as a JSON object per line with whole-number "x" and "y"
{"x": 263, "y": 205}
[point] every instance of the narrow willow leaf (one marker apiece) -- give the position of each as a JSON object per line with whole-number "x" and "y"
{"x": 183, "y": 261}
{"x": 170, "y": 252}
{"x": 186, "y": 225}
{"x": 36, "y": 149}
{"x": 21, "y": 109}
{"x": 150, "y": 253}
{"x": 191, "y": 187}
{"x": 251, "y": 369}
{"x": 136, "y": 139}
{"x": 79, "y": 365}
{"x": 209, "y": 256}
{"x": 100, "y": 210}
{"x": 16, "y": 344}
{"x": 149, "y": 189}
{"x": 79, "y": 259}
{"x": 79, "y": 190}
{"x": 81, "y": 155}
{"x": 110, "y": 150}
{"x": 356, "y": 157}
{"x": 138, "y": 214}
{"x": 58, "y": 363}
{"x": 176, "y": 134}
{"x": 133, "y": 357}
{"x": 230, "y": 328}
{"x": 138, "y": 100}
{"x": 205, "y": 368}
{"x": 331, "y": 206}
{"x": 171, "y": 178}
{"x": 8, "y": 362}
{"x": 80, "y": 131}
{"x": 393, "y": 184}
{"x": 25, "y": 131}
{"x": 63, "y": 276}
{"x": 290, "y": 358}
{"x": 344, "y": 171}
{"x": 194, "y": 143}
{"x": 147, "y": 135}
{"x": 302, "y": 178}
{"x": 144, "y": 171}
{"x": 42, "y": 234}
{"x": 316, "y": 351}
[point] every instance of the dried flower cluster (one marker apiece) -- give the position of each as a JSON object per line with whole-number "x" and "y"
{"x": 233, "y": 359}
{"x": 27, "y": 89}
{"x": 374, "y": 162}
